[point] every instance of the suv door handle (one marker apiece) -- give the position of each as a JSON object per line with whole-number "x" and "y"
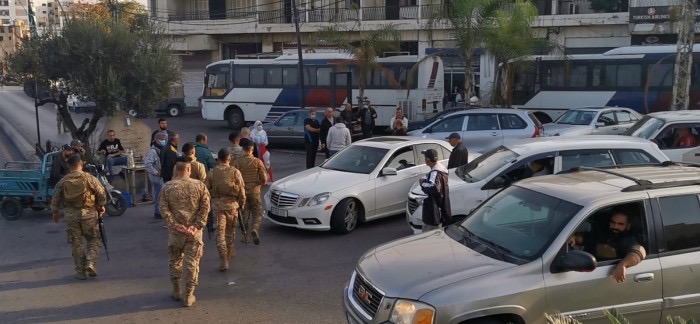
{"x": 494, "y": 134}
{"x": 644, "y": 277}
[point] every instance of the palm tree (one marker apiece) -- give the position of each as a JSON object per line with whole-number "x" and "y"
{"x": 363, "y": 53}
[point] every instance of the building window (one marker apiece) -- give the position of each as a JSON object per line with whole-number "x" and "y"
{"x": 1, "y": 39}
{"x": 4, "y": 3}
{"x": 199, "y": 6}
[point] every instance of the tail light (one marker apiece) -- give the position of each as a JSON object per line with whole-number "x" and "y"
{"x": 539, "y": 131}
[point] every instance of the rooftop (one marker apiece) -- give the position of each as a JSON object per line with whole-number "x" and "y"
{"x": 676, "y": 115}
{"x": 554, "y": 143}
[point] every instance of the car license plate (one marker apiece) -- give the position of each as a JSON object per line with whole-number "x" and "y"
{"x": 278, "y": 212}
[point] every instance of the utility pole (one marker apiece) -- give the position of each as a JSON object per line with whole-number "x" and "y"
{"x": 34, "y": 34}
{"x": 684, "y": 56}
{"x": 301, "y": 59}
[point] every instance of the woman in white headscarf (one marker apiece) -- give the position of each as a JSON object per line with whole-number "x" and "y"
{"x": 259, "y": 137}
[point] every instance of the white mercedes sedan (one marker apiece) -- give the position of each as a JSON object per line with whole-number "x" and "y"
{"x": 368, "y": 180}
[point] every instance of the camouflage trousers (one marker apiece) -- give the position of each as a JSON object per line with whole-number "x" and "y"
{"x": 253, "y": 210}
{"x": 185, "y": 253}
{"x": 79, "y": 229}
{"x": 226, "y": 214}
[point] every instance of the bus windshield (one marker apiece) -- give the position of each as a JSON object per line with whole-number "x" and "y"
{"x": 217, "y": 81}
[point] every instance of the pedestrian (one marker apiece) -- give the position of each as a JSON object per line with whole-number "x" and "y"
{"x": 367, "y": 117}
{"x": 152, "y": 167}
{"x": 77, "y": 146}
{"x": 168, "y": 157}
{"x": 184, "y": 203}
{"x": 60, "y": 168}
{"x": 162, "y": 127}
{"x": 83, "y": 199}
{"x": 436, "y": 207}
{"x": 259, "y": 137}
{"x": 338, "y": 137}
{"x": 348, "y": 116}
{"x": 227, "y": 191}
{"x": 236, "y": 151}
{"x": 198, "y": 170}
{"x": 113, "y": 151}
{"x": 460, "y": 154}
{"x": 61, "y": 124}
{"x": 399, "y": 123}
{"x": 203, "y": 153}
{"x": 254, "y": 177}
{"x": 311, "y": 131}
{"x": 326, "y": 125}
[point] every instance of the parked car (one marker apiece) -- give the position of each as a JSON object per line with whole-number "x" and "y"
{"x": 414, "y": 124}
{"x": 367, "y": 180}
{"x": 475, "y": 182}
{"x": 484, "y": 128}
{"x": 80, "y": 103}
{"x": 288, "y": 129}
{"x": 663, "y": 128}
{"x": 172, "y": 107}
{"x": 512, "y": 259}
{"x": 593, "y": 120}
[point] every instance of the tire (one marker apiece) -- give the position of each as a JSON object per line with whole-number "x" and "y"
{"x": 345, "y": 216}
{"x": 235, "y": 119}
{"x": 119, "y": 207}
{"x": 174, "y": 111}
{"x": 11, "y": 209}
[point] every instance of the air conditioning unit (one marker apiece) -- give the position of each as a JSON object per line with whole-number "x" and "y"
{"x": 573, "y": 9}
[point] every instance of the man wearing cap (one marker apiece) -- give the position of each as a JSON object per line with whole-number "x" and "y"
{"x": 60, "y": 165}
{"x": 254, "y": 176}
{"x": 83, "y": 199}
{"x": 77, "y": 145}
{"x": 459, "y": 155}
{"x": 436, "y": 207}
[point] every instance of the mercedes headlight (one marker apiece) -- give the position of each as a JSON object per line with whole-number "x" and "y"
{"x": 412, "y": 312}
{"x": 319, "y": 199}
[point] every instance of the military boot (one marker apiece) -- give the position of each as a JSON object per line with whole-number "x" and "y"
{"x": 91, "y": 269}
{"x": 80, "y": 275}
{"x": 223, "y": 266}
{"x": 176, "y": 290}
{"x": 189, "y": 300}
{"x": 231, "y": 252}
{"x": 256, "y": 237}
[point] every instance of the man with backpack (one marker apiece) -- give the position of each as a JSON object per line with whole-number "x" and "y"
{"x": 83, "y": 199}
{"x": 367, "y": 117}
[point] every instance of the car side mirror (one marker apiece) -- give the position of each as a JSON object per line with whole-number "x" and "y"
{"x": 576, "y": 260}
{"x": 599, "y": 124}
{"x": 389, "y": 171}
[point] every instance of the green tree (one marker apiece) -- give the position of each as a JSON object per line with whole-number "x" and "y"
{"x": 112, "y": 63}
{"x": 364, "y": 53}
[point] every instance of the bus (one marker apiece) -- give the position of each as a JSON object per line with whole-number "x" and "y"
{"x": 637, "y": 77}
{"x": 241, "y": 91}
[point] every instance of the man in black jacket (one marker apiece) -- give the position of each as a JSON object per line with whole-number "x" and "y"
{"x": 436, "y": 207}
{"x": 326, "y": 125}
{"x": 459, "y": 155}
{"x": 168, "y": 157}
{"x": 59, "y": 167}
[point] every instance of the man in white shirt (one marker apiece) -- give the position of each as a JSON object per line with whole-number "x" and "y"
{"x": 399, "y": 123}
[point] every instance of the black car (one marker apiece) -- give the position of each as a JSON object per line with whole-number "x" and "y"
{"x": 413, "y": 125}
{"x": 289, "y": 128}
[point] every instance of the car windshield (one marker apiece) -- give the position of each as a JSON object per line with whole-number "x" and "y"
{"x": 576, "y": 117}
{"x": 516, "y": 225}
{"x": 356, "y": 159}
{"x": 486, "y": 164}
{"x": 645, "y": 128}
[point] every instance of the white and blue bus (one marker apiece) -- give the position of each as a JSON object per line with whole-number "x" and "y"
{"x": 637, "y": 77}
{"x": 242, "y": 91}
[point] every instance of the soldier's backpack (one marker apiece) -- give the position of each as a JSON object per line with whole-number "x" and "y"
{"x": 75, "y": 192}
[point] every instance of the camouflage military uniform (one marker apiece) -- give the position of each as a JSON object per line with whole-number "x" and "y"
{"x": 254, "y": 175}
{"x": 227, "y": 191}
{"x": 199, "y": 172}
{"x": 236, "y": 153}
{"x": 82, "y": 219}
{"x": 186, "y": 202}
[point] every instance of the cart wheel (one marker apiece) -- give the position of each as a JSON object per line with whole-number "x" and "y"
{"x": 118, "y": 207}
{"x": 11, "y": 209}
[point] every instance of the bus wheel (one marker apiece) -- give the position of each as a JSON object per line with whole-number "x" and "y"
{"x": 235, "y": 119}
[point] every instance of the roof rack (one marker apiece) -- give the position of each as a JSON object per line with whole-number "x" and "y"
{"x": 641, "y": 184}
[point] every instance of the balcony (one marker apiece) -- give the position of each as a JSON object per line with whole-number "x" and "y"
{"x": 572, "y": 7}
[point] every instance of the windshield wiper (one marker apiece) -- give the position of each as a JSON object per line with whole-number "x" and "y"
{"x": 497, "y": 249}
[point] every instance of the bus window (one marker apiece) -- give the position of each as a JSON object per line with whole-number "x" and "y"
{"x": 661, "y": 75}
{"x": 629, "y": 75}
{"x": 274, "y": 76}
{"x": 310, "y": 76}
{"x": 241, "y": 76}
{"x": 291, "y": 76}
{"x": 523, "y": 86}
{"x": 217, "y": 78}
{"x": 257, "y": 76}
{"x": 323, "y": 76}
{"x": 561, "y": 76}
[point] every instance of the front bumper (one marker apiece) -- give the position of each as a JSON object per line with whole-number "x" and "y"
{"x": 414, "y": 212}
{"x": 315, "y": 218}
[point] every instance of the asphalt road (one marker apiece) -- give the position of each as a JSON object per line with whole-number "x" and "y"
{"x": 292, "y": 277}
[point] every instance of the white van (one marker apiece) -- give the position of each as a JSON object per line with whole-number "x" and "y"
{"x": 473, "y": 183}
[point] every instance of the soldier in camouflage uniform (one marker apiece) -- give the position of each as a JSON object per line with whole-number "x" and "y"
{"x": 83, "y": 199}
{"x": 184, "y": 204}
{"x": 255, "y": 176}
{"x": 227, "y": 191}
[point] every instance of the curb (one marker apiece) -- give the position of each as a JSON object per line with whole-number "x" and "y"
{"x": 21, "y": 144}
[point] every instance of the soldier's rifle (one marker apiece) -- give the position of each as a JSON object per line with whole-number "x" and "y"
{"x": 242, "y": 226}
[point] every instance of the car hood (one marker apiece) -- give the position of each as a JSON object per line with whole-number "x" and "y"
{"x": 413, "y": 266}
{"x": 317, "y": 180}
{"x": 552, "y": 129}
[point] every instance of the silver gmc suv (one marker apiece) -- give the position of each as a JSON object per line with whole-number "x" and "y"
{"x": 544, "y": 245}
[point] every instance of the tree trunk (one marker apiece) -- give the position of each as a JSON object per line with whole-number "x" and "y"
{"x": 468, "y": 76}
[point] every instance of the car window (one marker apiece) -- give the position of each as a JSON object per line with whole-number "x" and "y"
{"x": 448, "y": 124}
{"x": 442, "y": 152}
{"x": 478, "y": 122}
{"x": 356, "y": 159}
{"x": 681, "y": 220}
{"x": 589, "y": 158}
{"x": 645, "y": 127}
{"x": 624, "y": 117}
{"x": 402, "y": 159}
{"x": 511, "y": 121}
{"x": 607, "y": 118}
{"x": 627, "y": 157}
{"x": 679, "y": 136}
{"x": 576, "y": 117}
{"x": 287, "y": 120}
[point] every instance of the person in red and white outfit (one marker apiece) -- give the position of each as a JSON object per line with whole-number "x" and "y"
{"x": 259, "y": 137}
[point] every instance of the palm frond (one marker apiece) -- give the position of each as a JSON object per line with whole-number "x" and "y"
{"x": 615, "y": 317}
{"x": 558, "y": 318}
